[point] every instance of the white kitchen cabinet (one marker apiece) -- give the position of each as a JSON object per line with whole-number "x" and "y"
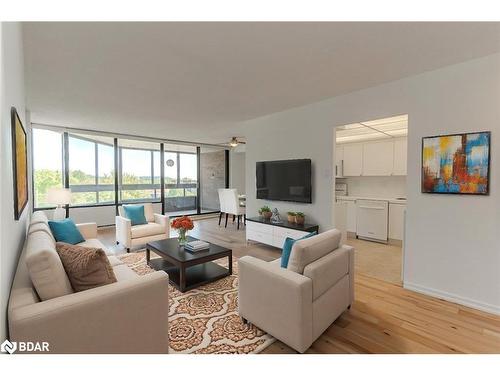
{"x": 396, "y": 221}
{"x": 351, "y": 216}
{"x": 339, "y": 160}
{"x": 353, "y": 160}
{"x": 378, "y": 158}
{"x": 400, "y": 151}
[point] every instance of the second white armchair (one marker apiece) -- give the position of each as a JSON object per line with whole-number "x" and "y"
{"x": 156, "y": 229}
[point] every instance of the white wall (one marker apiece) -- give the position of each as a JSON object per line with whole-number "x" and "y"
{"x": 237, "y": 171}
{"x": 452, "y": 243}
{"x": 12, "y": 232}
{"x": 376, "y": 187}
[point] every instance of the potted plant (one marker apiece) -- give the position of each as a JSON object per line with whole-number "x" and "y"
{"x": 300, "y": 218}
{"x": 182, "y": 225}
{"x": 265, "y": 212}
{"x": 291, "y": 216}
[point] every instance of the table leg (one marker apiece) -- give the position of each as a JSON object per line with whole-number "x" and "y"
{"x": 230, "y": 259}
{"x": 182, "y": 279}
{"x": 148, "y": 256}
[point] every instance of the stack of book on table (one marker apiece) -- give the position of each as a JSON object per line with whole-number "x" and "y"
{"x": 197, "y": 246}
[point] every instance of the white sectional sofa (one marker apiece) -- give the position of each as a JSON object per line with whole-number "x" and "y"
{"x": 129, "y": 316}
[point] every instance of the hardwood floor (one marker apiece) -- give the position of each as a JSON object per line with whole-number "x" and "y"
{"x": 385, "y": 318}
{"x": 377, "y": 260}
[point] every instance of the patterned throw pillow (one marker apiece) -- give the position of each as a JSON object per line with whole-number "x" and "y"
{"x": 86, "y": 267}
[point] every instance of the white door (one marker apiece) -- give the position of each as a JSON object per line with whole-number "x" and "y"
{"x": 400, "y": 151}
{"x": 353, "y": 160}
{"x": 378, "y": 158}
{"x": 372, "y": 219}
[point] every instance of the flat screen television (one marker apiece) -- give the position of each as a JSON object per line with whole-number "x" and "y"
{"x": 284, "y": 180}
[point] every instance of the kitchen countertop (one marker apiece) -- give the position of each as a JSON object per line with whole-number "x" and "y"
{"x": 353, "y": 198}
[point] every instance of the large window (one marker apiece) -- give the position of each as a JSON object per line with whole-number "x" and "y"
{"x": 106, "y": 172}
{"x": 181, "y": 178}
{"x": 91, "y": 170}
{"x": 91, "y": 174}
{"x": 139, "y": 171}
{"x": 47, "y": 164}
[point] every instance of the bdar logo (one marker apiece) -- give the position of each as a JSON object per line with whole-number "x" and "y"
{"x": 8, "y": 347}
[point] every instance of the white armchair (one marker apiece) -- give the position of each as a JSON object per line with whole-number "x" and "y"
{"x": 298, "y": 303}
{"x": 156, "y": 229}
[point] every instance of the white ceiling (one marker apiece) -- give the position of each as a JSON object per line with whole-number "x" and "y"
{"x": 194, "y": 81}
{"x": 389, "y": 127}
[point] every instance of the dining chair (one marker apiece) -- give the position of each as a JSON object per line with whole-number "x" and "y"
{"x": 230, "y": 205}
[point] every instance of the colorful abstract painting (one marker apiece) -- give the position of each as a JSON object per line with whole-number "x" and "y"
{"x": 19, "y": 164}
{"x": 456, "y": 164}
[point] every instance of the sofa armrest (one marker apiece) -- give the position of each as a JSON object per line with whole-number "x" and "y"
{"x": 163, "y": 220}
{"x": 328, "y": 270}
{"x": 123, "y": 228}
{"x": 129, "y": 316}
{"x": 351, "y": 252}
{"x": 277, "y": 300}
{"x": 88, "y": 230}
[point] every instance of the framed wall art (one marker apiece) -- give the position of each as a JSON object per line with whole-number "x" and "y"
{"x": 456, "y": 164}
{"x": 19, "y": 164}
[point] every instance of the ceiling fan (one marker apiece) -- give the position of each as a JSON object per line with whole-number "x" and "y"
{"x": 234, "y": 142}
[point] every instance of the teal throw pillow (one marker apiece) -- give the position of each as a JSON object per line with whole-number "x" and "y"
{"x": 135, "y": 214}
{"x": 66, "y": 231}
{"x": 287, "y": 248}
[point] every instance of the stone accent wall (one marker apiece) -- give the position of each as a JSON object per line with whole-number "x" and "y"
{"x": 212, "y": 176}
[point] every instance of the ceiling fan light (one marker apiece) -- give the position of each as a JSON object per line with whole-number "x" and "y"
{"x": 234, "y": 142}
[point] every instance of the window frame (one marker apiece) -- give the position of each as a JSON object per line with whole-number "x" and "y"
{"x": 152, "y": 185}
{"x": 83, "y": 187}
{"x": 65, "y": 133}
{"x": 32, "y": 168}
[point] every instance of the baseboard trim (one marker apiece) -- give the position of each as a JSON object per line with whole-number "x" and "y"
{"x": 394, "y": 242}
{"x": 450, "y": 297}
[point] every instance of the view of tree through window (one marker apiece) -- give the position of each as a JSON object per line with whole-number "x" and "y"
{"x": 91, "y": 170}
{"x": 106, "y": 172}
{"x": 140, "y": 171}
{"x": 82, "y": 171}
{"x": 47, "y": 164}
{"x": 180, "y": 163}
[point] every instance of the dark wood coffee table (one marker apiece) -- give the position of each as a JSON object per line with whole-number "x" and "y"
{"x": 188, "y": 270}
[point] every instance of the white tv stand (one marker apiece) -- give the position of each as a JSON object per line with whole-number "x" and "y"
{"x": 274, "y": 234}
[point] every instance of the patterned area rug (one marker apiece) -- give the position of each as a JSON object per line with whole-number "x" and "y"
{"x": 205, "y": 319}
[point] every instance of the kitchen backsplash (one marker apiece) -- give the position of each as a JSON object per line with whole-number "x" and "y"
{"x": 376, "y": 187}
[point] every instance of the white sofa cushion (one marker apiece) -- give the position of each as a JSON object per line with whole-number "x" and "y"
{"x": 114, "y": 261}
{"x": 45, "y": 267}
{"x": 41, "y": 226}
{"x": 123, "y": 272}
{"x": 146, "y": 230}
{"x": 148, "y": 211}
{"x": 39, "y": 217}
{"x": 95, "y": 243}
{"x": 310, "y": 249}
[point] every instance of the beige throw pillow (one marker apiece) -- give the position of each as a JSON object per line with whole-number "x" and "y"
{"x": 86, "y": 267}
